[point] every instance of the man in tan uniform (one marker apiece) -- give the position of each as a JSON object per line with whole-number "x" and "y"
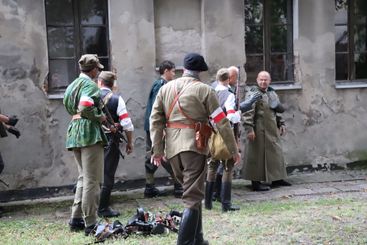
{"x": 179, "y": 106}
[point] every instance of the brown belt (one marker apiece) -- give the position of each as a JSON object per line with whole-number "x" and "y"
{"x": 179, "y": 125}
{"x": 76, "y": 117}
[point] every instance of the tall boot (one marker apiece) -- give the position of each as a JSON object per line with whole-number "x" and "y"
{"x": 226, "y": 198}
{"x": 188, "y": 226}
{"x": 217, "y": 187}
{"x": 209, "y": 195}
{"x": 199, "y": 235}
{"x": 104, "y": 209}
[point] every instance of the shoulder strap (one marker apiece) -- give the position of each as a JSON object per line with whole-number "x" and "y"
{"x": 177, "y": 96}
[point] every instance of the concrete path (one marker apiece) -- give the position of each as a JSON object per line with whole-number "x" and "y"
{"x": 303, "y": 185}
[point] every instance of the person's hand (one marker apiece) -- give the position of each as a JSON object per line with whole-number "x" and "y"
{"x": 237, "y": 158}
{"x": 282, "y": 130}
{"x": 102, "y": 119}
{"x": 129, "y": 148}
{"x": 113, "y": 129}
{"x": 157, "y": 159}
{"x": 251, "y": 136}
{"x": 13, "y": 130}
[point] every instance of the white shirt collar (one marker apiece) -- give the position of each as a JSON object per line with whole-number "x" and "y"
{"x": 220, "y": 87}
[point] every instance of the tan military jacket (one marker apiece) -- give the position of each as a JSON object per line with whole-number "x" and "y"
{"x": 200, "y": 103}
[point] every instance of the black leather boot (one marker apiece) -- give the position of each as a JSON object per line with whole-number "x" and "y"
{"x": 257, "y": 186}
{"x": 209, "y": 195}
{"x": 199, "y": 235}
{"x": 226, "y": 198}
{"x": 104, "y": 209}
{"x": 177, "y": 190}
{"x": 76, "y": 224}
{"x": 217, "y": 187}
{"x": 151, "y": 191}
{"x": 188, "y": 226}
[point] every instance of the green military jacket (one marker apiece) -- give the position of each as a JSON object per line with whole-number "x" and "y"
{"x": 264, "y": 159}
{"x": 82, "y": 97}
{"x": 199, "y": 102}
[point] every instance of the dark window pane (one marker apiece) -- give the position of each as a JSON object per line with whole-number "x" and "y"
{"x": 341, "y": 66}
{"x": 341, "y": 12}
{"x": 360, "y": 8}
{"x": 62, "y": 73}
{"x": 60, "y": 42}
{"x": 254, "y": 12}
{"x": 94, "y": 41}
{"x": 278, "y": 67}
{"x": 279, "y": 38}
{"x": 279, "y": 12}
{"x": 105, "y": 62}
{"x": 93, "y": 12}
{"x": 54, "y": 14}
{"x": 360, "y": 62}
{"x": 254, "y": 39}
{"x": 341, "y": 38}
{"x": 360, "y": 38}
{"x": 254, "y": 64}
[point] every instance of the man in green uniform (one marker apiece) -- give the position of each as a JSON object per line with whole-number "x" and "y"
{"x": 182, "y": 106}
{"x": 86, "y": 139}
{"x": 263, "y": 126}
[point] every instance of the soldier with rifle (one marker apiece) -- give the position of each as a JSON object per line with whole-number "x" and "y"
{"x": 119, "y": 121}
{"x": 86, "y": 139}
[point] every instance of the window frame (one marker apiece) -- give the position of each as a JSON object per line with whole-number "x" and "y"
{"x": 351, "y": 81}
{"x": 292, "y": 19}
{"x": 78, "y": 40}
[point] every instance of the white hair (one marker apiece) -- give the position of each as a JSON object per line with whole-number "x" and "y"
{"x": 233, "y": 69}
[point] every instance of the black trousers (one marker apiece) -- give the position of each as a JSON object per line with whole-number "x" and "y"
{"x": 149, "y": 167}
{"x": 111, "y": 161}
{"x": 1, "y": 164}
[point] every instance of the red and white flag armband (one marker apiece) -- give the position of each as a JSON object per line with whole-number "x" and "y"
{"x": 217, "y": 115}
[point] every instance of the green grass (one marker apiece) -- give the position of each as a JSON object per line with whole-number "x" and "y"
{"x": 326, "y": 220}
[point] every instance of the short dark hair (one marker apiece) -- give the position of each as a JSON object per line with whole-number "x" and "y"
{"x": 169, "y": 65}
{"x": 107, "y": 83}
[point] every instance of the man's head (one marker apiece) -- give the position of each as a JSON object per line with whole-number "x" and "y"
{"x": 233, "y": 75}
{"x": 223, "y": 76}
{"x": 106, "y": 79}
{"x": 195, "y": 62}
{"x": 263, "y": 80}
{"x": 167, "y": 70}
{"x": 89, "y": 64}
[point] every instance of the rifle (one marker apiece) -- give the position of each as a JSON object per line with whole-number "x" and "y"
{"x": 111, "y": 123}
{"x": 236, "y": 127}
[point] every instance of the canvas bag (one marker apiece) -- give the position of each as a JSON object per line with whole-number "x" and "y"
{"x": 218, "y": 148}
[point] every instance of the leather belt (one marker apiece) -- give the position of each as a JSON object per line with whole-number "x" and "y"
{"x": 76, "y": 117}
{"x": 179, "y": 125}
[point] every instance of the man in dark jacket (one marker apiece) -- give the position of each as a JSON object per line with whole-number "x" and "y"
{"x": 167, "y": 73}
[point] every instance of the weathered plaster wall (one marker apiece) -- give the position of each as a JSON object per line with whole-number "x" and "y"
{"x": 177, "y": 29}
{"x": 37, "y": 158}
{"x": 133, "y": 56}
{"x": 325, "y": 125}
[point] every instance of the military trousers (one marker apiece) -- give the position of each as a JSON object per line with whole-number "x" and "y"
{"x": 89, "y": 161}
{"x": 150, "y": 168}
{"x": 227, "y": 170}
{"x": 111, "y": 161}
{"x": 190, "y": 169}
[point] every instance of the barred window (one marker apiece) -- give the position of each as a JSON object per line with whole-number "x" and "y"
{"x": 74, "y": 28}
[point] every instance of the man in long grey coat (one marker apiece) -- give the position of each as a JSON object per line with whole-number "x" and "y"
{"x": 263, "y": 126}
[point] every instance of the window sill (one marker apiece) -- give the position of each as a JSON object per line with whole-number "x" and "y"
{"x": 55, "y": 96}
{"x": 350, "y": 84}
{"x": 286, "y": 86}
